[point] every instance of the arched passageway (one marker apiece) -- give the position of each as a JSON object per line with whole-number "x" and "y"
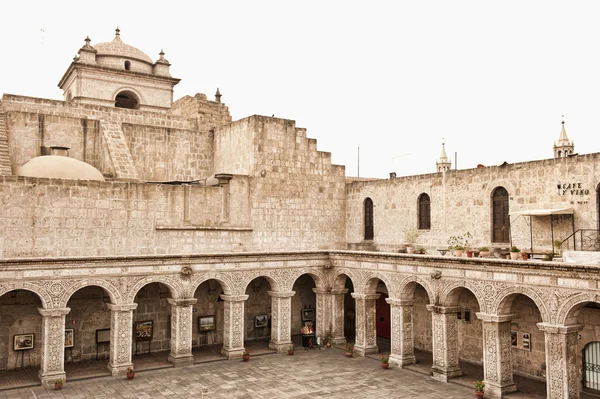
{"x": 208, "y": 321}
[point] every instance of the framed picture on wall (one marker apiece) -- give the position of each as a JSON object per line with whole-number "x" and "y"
{"x": 262, "y": 320}
{"x": 103, "y": 335}
{"x": 23, "y": 342}
{"x": 308, "y": 314}
{"x": 207, "y": 323}
{"x": 69, "y": 337}
{"x": 143, "y": 330}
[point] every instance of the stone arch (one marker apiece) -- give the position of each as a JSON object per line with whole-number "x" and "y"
{"x": 176, "y": 290}
{"x": 450, "y": 293}
{"x": 569, "y": 310}
{"x": 504, "y": 299}
{"x": 239, "y": 281}
{"x": 339, "y": 278}
{"x": 131, "y": 92}
{"x": 113, "y": 293}
{"x": 370, "y": 283}
{"x": 44, "y": 296}
{"x": 317, "y": 277}
{"x": 210, "y": 276}
{"x": 406, "y": 288}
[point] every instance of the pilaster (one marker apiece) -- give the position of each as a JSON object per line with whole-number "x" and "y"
{"x": 337, "y": 315}
{"x": 497, "y": 364}
{"x": 53, "y": 349}
{"x": 121, "y": 330}
{"x": 233, "y": 325}
{"x": 181, "y": 331}
{"x": 402, "y": 345}
{"x": 281, "y": 322}
{"x": 562, "y": 371}
{"x": 445, "y": 342}
{"x": 366, "y": 331}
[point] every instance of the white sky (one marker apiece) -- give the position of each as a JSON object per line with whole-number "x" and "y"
{"x": 393, "y": 77}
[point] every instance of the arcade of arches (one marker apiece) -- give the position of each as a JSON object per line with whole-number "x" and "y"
{"x": 537, "y": 321}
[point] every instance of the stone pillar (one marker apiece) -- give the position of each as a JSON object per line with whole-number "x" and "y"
{"x": 445, "y": 342}
{"x": 281, "y": 320}
{"x": 121, "y": 330}
{"x": 53, "y": 351}
{"x": 181, "y": 331}
{"x": 322, "y": 311}
{"x": 497, "y": 364}
{"x": 562, "y": 364}
{"x": 403, "y": 343}
{"x": 366, "y": 331}
{"x": 224, "y": 179}
{"x": 337, "y": 315}
{"x": 233, "y": 325}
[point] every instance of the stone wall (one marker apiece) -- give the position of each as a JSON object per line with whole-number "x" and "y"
{"x": 207, "y": 114}
{"x": 461, "y": 202}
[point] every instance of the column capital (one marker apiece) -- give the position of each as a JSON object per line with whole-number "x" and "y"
{"x": 122, "y": 307}
{"x": 494, "y": 318}
{"x": 54, "y": 312}
{"x": 340, "y": 291}
{"x": 365, "y": 296}
{"x": 223, "y": 178}
{"x": 281, "y": 294}
{"x": 182, "y": 301}
{"x": 443, "y": 309}
{"x": 234, "y": 298}
{"x": 560, "y": 329}
{"x": 400, "y": 302}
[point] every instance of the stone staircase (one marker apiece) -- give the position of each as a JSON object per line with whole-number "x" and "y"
{"x": 4, "y": 155}
{"x": 118, "y": 151}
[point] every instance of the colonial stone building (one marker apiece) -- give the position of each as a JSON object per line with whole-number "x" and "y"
{"x": 131, "y": 222}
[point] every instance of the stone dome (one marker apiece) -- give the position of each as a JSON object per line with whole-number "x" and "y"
{"x": 60, "y": 167}
{"x": 117, "y": 48}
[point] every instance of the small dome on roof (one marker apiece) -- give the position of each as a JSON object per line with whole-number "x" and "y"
{"x": 117, "y": 48}
{"x": 60, "y": 167}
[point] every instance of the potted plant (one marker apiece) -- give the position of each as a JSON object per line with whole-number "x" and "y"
{"x": 459, "y": 243}
{"x": 130, "y": 373}
{"x": 246, "y": 355}
{"x": 410, "y": 236}
{"x": 328, "y": 337}
{"x": 557, "y": 246}
{"x": 548, "y": 256}
{"x": 58, "y": 384}
{"x": 421, "y": 251}
{"x": 525, "y": 254}
{"x": 514, "y": 253}
{"x": 479, "y": 385}
{"x": 385, "y": 361}
{"x": 291, "y": 350}
{"x": 484, "y": 252}
{"x": 349, "y": 349}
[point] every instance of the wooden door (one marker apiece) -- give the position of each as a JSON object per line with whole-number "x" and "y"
{"x": 382, "y": 317}
{"x": 500, "y": 218}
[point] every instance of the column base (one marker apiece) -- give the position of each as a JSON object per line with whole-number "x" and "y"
{"x": 401, "y": 361}
{"x": 364, "y": 351}
{"x": 233, "y": 353}
{"x": 280, "y": 347}
{"x": 119, "y": 370}
{"x": 48, "y": 380}
{"x": 498, "y": 391}
{"x": 181, "y": 361}
{"x": 445, "y": 375}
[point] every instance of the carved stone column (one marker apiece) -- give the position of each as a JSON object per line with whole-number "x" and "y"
{"x": 281, "y": 320}
{"x": 403, "y": 343}
{"x": 497, "y": 365}
{"x": 323, "y": 311}
{"x": 445, "y": 342}
{"x": 337, "y": 315}
{"x": 562, "y": 370}
{"x": 366, "y": 330}
{"x": 233, "y": 325}
{"x": 53, "y": 351}
{"x": 181, "y": 331}
{"x": 121, "y": 329}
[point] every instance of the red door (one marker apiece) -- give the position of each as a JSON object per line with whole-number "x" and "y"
{"x": 382, "y": 315}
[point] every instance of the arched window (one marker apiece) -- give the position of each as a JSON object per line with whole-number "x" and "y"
{"x": 591, "y": 366}
{"x": 127, "y": 65}
{"x": 126, "y": 99}
{"x": 500, "y": 218}
{"x": 369, "y": 234}
{"x": 424, "y": 212}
